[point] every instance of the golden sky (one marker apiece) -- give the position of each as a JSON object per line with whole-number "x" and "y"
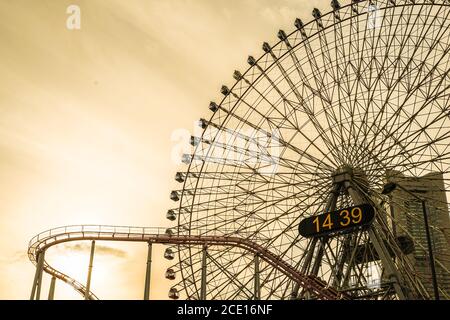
{"x": 87, "y": 116}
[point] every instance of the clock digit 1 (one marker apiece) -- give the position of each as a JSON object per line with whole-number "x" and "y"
{"x": 316, "y": 222}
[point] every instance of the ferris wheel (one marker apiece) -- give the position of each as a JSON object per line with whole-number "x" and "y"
{"x": 328, "y": 115}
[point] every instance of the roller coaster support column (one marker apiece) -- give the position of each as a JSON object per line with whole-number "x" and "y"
{"x": 51, "y": 291}
{"x": 203, "y": 284}
{"x": 37, "y": 283}
{"x": 148, "y": 273}
{"x": 88, "y": 282}
{"x": 257, "y": 294}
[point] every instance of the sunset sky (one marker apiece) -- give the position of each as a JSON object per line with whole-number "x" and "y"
{"x": 88, "y": 119}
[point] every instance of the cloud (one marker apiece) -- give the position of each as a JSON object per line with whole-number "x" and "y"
{"x": 18, "y": 256}
{"x": 99, "y": 249}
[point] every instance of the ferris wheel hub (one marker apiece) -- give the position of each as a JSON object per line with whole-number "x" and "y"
{"x": 342, "y": 174}
{"x": 348, "y": 174}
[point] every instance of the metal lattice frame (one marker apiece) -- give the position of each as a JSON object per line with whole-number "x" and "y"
{"x": 43, "y": 241}
{"x": 363, "y": 87}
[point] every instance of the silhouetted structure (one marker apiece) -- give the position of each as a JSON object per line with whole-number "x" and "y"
{"x": 408, "y": 215}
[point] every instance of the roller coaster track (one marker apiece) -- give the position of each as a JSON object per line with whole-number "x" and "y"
{"x": 41, "y": 242}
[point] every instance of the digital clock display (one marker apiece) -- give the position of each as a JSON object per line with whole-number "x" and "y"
{"x": 337, "y": 221}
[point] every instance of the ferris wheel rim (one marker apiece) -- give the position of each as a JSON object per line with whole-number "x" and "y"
{"x": 188, "y": 171}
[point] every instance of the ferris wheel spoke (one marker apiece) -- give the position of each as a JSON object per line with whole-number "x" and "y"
{"x": 232, "y": 277}
{"x": 398, "y": 129}
{"x": 265, "y": 225}
{"x": 317, "y": 93}
{"x": 277, "y": 287}
{"x": 431, "y": 159}
{"x": 313, "y": 64}
{"x": 318, "y": 127}
{"x": 319, "y": 200}
{"x": 373, "y": 63}
{"x": 344, "y": 95}
{"x": 246, "y": 193}
{"x": 404, "y": 156}
{"x": 357, "y": 84}
{"x": 278, "y": 91}
{"x": 412, "y": 119}
{"x": 266, "y": 222}
{"x": 411, "y": 136}
{"x": 320, "y": 92}
{"x": 412, "y": 91}
{"x": 242, "y": 186}
{"x": 392, "y": 37}
{"x": 321, "y": 87}
{"x": 282, "y": 142}
{"x": 353, "y": 54}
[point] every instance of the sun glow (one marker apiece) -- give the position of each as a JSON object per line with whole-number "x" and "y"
{"x": 74, "y": 261}
{"x": 89, "y": 142}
